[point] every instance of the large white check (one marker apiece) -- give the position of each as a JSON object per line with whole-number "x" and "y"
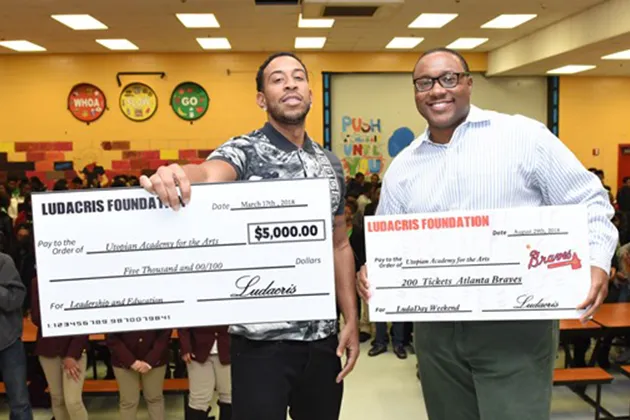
{"x": 246, "y": 252}
{"x": 521, "y": 263}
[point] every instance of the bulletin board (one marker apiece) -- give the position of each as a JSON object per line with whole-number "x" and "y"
{"x": 373, "y": 116}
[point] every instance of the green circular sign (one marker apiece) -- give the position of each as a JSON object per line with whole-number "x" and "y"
{"x": 190, "y": 101}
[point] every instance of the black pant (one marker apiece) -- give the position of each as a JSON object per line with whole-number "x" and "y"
{"x": 270, "y": 376}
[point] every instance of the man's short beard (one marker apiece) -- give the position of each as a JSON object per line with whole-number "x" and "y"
{"x": 289, "y": 120}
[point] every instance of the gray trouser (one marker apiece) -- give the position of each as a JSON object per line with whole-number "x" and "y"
{"x": 487, "y": 370}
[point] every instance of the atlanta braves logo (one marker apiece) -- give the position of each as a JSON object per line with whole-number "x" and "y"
{"x": 561, "y": 259}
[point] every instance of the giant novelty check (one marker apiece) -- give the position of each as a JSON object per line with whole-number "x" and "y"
{"x": 247, "y": 252}
{"x": 521, "y": 263}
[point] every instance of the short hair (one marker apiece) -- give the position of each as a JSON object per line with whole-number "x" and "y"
{"x": 622, "y": 253}
{"x": 260, "y": 80}
{"x": 457, "y": 55}
{"x": 626, "y": 179}
{"x": 60, "y": 185}
{"x": 354, "y": 207}
{"x": 5, "y": 201}
{"x": 359, "y": 175}
{"x": 22, "y": 226}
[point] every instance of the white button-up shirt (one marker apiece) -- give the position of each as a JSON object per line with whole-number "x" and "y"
{"x": 498, "y": 161}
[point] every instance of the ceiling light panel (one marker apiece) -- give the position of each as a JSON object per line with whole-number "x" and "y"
{"x": 466, "y": 43}
{"x": 315, "y": 23}
{"x": 404, "y": 43}
{"x": 621, "y": 55}
{"x": 507, "y": 21}
{"x": 310, "y": 42}
{"x": 22, "y": 46}
{"x": 571, "y": 69}
{"x": 214, "y": 43}
{"x": 432, "y": 20}
{"x": 118, "y": 44}
{"x": 80, "y": 22}
{"x": 198, "y": 20}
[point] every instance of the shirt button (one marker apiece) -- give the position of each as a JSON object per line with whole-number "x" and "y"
{"x": 140, "y": 340}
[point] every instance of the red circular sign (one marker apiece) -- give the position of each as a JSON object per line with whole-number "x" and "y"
{"x": 86, "y": 102}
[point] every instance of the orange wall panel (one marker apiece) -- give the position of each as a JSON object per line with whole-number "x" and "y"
{"x": 593, "y": 114}
{"x": 35, "y": 89}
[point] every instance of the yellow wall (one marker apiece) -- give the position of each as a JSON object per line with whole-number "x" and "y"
{"x": 594, "y": 114}
{"x": 34, "y": 90}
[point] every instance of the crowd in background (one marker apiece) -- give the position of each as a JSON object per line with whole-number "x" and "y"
{"x": 362, "y": 198}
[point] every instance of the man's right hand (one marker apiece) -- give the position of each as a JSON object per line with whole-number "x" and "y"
{"x": 164, "y": 183}
{"x": 363, "y": 287}
{"x": 188, "y": 357}
{"x": 136, "y": 366}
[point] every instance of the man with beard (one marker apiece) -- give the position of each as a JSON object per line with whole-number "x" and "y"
{"x": 287, "y": 364}
{"x": 474, "y": 159}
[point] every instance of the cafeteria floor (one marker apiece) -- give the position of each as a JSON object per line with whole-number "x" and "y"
{"x": 385, "y": 387}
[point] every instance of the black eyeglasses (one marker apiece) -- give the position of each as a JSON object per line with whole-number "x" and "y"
{"x": 447, "y": 81}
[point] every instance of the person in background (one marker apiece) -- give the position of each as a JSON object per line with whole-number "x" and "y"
{"x": 621, "y": 223}
{"x": 118, "y": 183}
{"x": 206, "y": 352}
{"x": 356, "y": 236}
{"x": 623, "y": 196}
{"x": 76, "y": 183}
{"x": 620, "y": 292}
{"x": 600, "y": 174}
{"x": 94, "y": 176}
{"x": 13, "y": 185}
{"x": 25, "y": 260}
{"x": 464, "y": 161}
{"x": 140, "y": 357}
{"x": 12, "y": 355}
{"x": 363, "y": 201}
{"x": 25, "y": 212}
{"x": 37, "y": 184}
{"x": 356, "y": 186}
{"x": 292, "y": 365}
{"x": 375, "y": 196}
{"x": 64, "y": 361}
{"x": 17, "y": 189}
{"x": 60, "y": 185}
{"x": 375, "y": 181}
{"x": 379, "y": 345}
{"x": 7, "y": 237}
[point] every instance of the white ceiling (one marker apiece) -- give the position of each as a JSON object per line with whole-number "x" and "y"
{"x": 151, "y": 24}
{"x": 153, "y": 27}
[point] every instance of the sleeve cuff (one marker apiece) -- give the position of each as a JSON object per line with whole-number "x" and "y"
{"x": 228, "y": 161}
{"x": 75, "y": 350}
{"x": 602, "y": 263}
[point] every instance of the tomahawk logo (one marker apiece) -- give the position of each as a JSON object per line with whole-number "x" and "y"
{"x": 561, "y": 259}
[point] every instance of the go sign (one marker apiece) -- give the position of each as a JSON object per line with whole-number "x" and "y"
{"x": 190, "y": 101}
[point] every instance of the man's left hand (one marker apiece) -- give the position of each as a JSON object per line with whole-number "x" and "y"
{"x": 348, "y": 343}
{"x": 597, "y": 294}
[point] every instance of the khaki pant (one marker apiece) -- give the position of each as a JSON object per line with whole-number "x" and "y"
{"x": 203, "y": 377}
{"x": 66, "y": 394}
{"x": 487, "y": 370}
{"x": 364, "y": 319}
{"x": 152, "y": 390}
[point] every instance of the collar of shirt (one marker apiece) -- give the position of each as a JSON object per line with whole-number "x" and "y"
{"x": 475, "y": 115}
{"x": 281, "y": 142}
